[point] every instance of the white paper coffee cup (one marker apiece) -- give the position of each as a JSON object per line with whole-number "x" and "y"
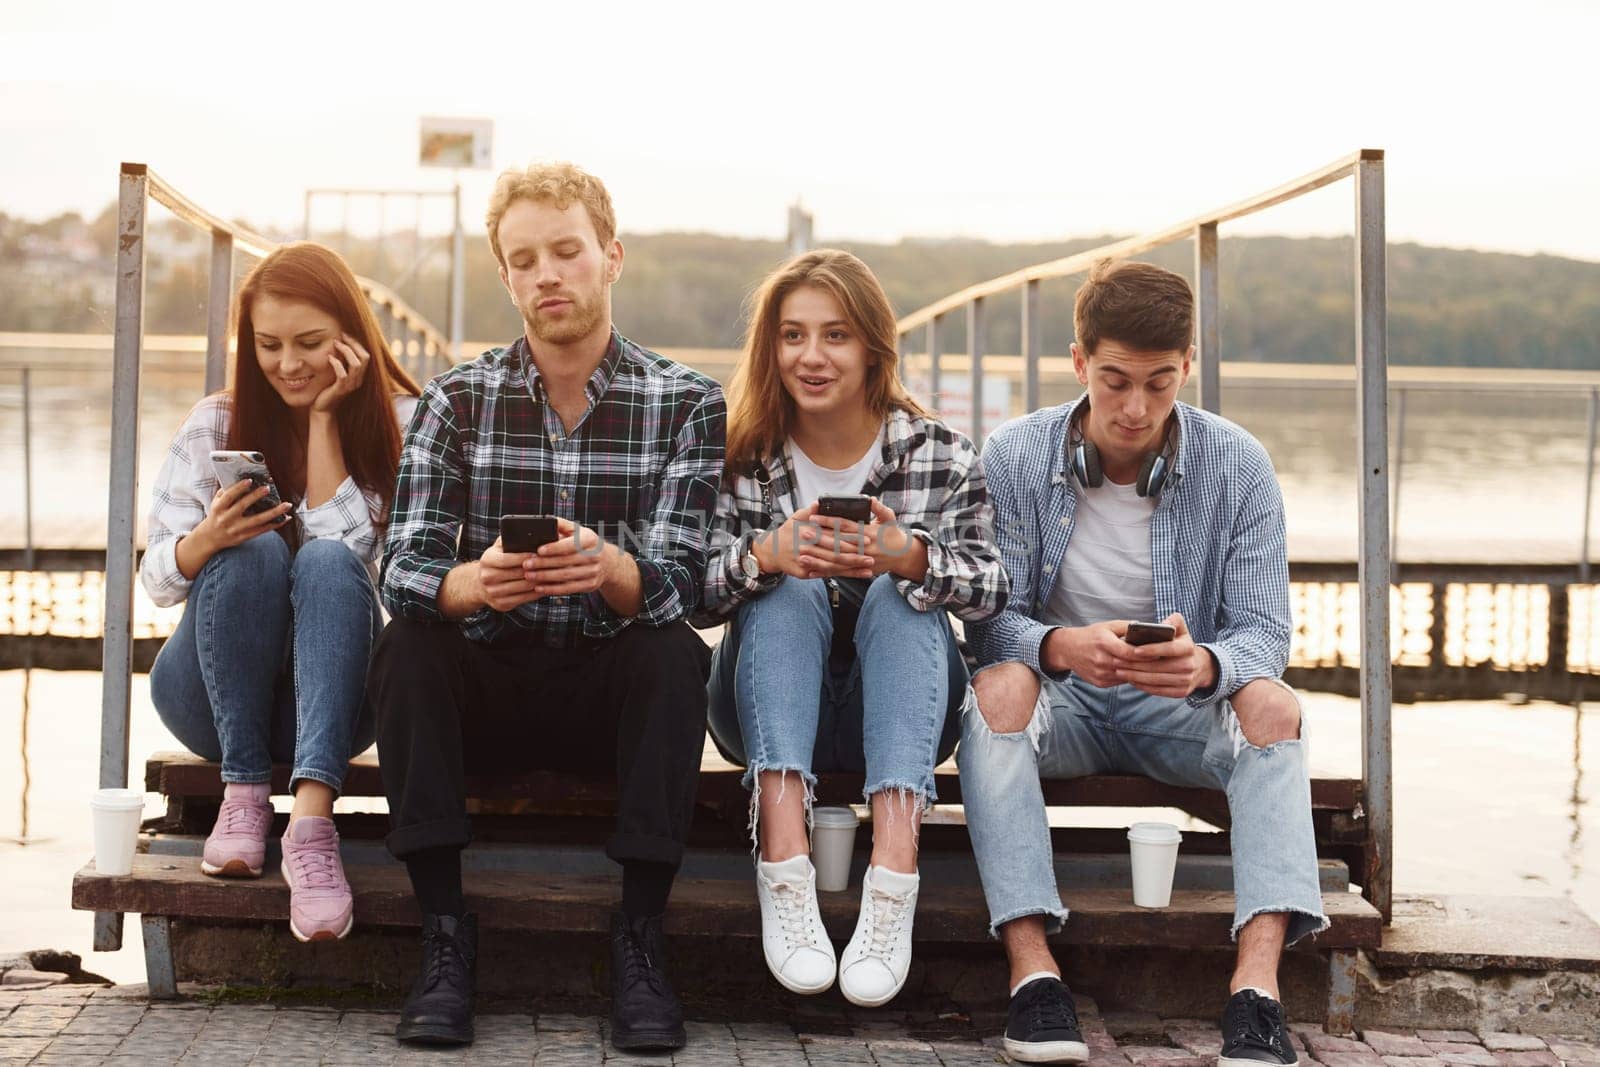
{"x": 1153, "y": 848}
{"x": 833, "y": 842}
{"x": 117, "y": 813}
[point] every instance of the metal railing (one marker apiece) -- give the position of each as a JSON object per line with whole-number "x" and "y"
{"x": 417, "y": 342}
{"x": 1372, "y": 448}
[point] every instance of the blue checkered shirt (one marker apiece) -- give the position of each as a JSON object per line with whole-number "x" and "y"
{"x": 1217, "y": 547}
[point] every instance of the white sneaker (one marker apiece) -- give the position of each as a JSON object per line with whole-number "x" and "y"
{"x": 796, "y": 946}
{"x": 875, "y": 962}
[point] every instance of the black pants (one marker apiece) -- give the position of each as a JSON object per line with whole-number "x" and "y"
{"x": 632, "y": 706}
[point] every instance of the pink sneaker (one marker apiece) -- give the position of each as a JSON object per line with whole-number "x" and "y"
{"x": 238, "y": 841}
{"x": 320, "y": 906}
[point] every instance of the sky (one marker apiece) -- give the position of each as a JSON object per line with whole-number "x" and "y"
{"x": 1000, "y": 120}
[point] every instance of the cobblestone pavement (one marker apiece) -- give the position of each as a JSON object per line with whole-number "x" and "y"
{"x": 95, "y": 1025}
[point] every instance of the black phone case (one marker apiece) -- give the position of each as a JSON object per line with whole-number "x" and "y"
{"x": 854, "y": 508}
{"x": 527, "y": 533}
{"x": 266, "y": 503}
{"x": 1135, "y": 638}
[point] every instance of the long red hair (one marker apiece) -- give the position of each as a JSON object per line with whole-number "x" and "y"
{"x": 308, "y": 272}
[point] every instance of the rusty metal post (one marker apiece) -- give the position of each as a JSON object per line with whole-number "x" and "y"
{"x": 1372, "y": 453}
{"x": 116, "y": 672}
{"x": 1208, "y": 328}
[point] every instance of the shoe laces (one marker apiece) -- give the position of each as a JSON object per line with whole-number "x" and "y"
{"x": 791, "y": 901}
{"x": 443, "y": 960}
{"x": 315, "y": 866}
{"x": 1255, "y": 1021}
{"x": 1045, "y": 1010}
{"x": 238, "y": 815}
{"x": 886, "y": 913}
{"x": 637, "y": 964}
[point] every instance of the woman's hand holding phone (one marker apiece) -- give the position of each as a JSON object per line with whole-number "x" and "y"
{"x": 885, "y": 545}
{"x": 791, "y": 548}
{"x": 349, "y": 361}
{"x": 227, "y": 525}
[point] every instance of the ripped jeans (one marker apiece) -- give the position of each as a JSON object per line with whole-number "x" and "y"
{"x": 894, "y": 714}
{"x": 1078, "y": 729}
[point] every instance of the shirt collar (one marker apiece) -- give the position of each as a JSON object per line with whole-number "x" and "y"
{"x": 519, "y": 357}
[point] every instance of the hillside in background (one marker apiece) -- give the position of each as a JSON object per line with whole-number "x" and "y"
{"x": 1284, "y": 299}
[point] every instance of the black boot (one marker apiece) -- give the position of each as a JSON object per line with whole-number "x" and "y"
{"x": 645, "y": 1013}
{"x": 438, "y": 1010}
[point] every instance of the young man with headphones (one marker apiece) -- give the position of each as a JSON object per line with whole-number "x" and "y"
{"x": 1128, "y": 506}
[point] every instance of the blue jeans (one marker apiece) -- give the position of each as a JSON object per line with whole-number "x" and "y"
{"x": 270, "y": 661}
{"x": 1078, "y": 729}
{"x": 894, "y": 714}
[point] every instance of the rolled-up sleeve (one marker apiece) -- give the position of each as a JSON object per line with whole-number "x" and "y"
{"x": 1254, "y": 624}
{"x": 965, "y": 573}
{"x": 727, "y": 584}
{"x": 184, "y": 488}
{"x": 671, "y": 555}
{"x": 1011, "y": 635}
{"x": 429, "y": 502}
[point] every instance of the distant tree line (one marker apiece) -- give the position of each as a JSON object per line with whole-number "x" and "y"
{"x": 1284, "y": 299}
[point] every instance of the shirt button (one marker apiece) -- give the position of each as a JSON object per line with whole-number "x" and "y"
{"x": 564, "y": 494}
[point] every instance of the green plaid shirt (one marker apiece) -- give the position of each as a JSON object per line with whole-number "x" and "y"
{"x": 641, "y": 468}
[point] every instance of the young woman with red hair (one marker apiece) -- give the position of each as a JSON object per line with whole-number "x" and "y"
{"x": 270, "y": 660}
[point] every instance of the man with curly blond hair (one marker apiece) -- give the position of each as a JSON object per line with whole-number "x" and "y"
{"x": 574, "y": 654}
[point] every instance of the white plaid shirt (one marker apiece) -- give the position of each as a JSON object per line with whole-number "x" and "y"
{"x": 928, "y": 475}
{"x": 640, "y": 468}
{"x": 187, "y": 483}
{"x": 1217, "y": 547}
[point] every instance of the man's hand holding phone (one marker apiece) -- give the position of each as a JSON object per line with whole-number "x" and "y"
{"x": 1097, "y": 653}
{"x": 573, "y": 563}
{"x": 1172, "y": 668}
{"x": 502, "y": 579}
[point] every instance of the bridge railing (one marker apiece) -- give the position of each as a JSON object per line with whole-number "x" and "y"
{"x": 1365, "y": 167}
{"x": 416, "y": 342}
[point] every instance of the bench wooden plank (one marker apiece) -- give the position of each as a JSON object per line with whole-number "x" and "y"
{"x": 180, "y": 774}
{"x": 164, "y": 885}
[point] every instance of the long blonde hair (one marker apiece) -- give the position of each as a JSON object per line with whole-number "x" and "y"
{"x": 761, "y": 411}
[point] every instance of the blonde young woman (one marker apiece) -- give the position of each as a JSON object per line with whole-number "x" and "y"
{"x": 839, "y": 654}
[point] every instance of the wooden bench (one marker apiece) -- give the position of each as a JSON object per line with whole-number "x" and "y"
{"x": 541, "y": 814}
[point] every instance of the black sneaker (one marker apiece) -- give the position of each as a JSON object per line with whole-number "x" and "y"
{"x": 1042, "y": 1025}
{"x": 645, "y": 1013}
{"x": 438, "y": 1010}
{"x": 1253, "y": 1032}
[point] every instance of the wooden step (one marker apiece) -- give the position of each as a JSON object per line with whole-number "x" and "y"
{"x": 179, "y": 774}
{"x": 171, "y": 887}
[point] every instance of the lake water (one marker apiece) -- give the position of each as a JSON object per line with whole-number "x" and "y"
{"x": 1492, "y": 467}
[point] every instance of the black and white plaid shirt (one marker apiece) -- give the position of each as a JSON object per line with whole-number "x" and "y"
{"x": 641, "y": 468}
{"x": 928, "y": 475}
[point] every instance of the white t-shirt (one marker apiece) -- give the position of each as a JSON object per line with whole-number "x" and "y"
{"x": 812, "y": 480}
{"x": 1106, "y": 573}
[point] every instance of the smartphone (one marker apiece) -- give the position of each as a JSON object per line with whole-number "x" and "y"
{"x": 1149, "y": 633}
{"x": 857, "y": 507}
{"x": 235, "y": 467}
{"x": 527, "y": 533}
